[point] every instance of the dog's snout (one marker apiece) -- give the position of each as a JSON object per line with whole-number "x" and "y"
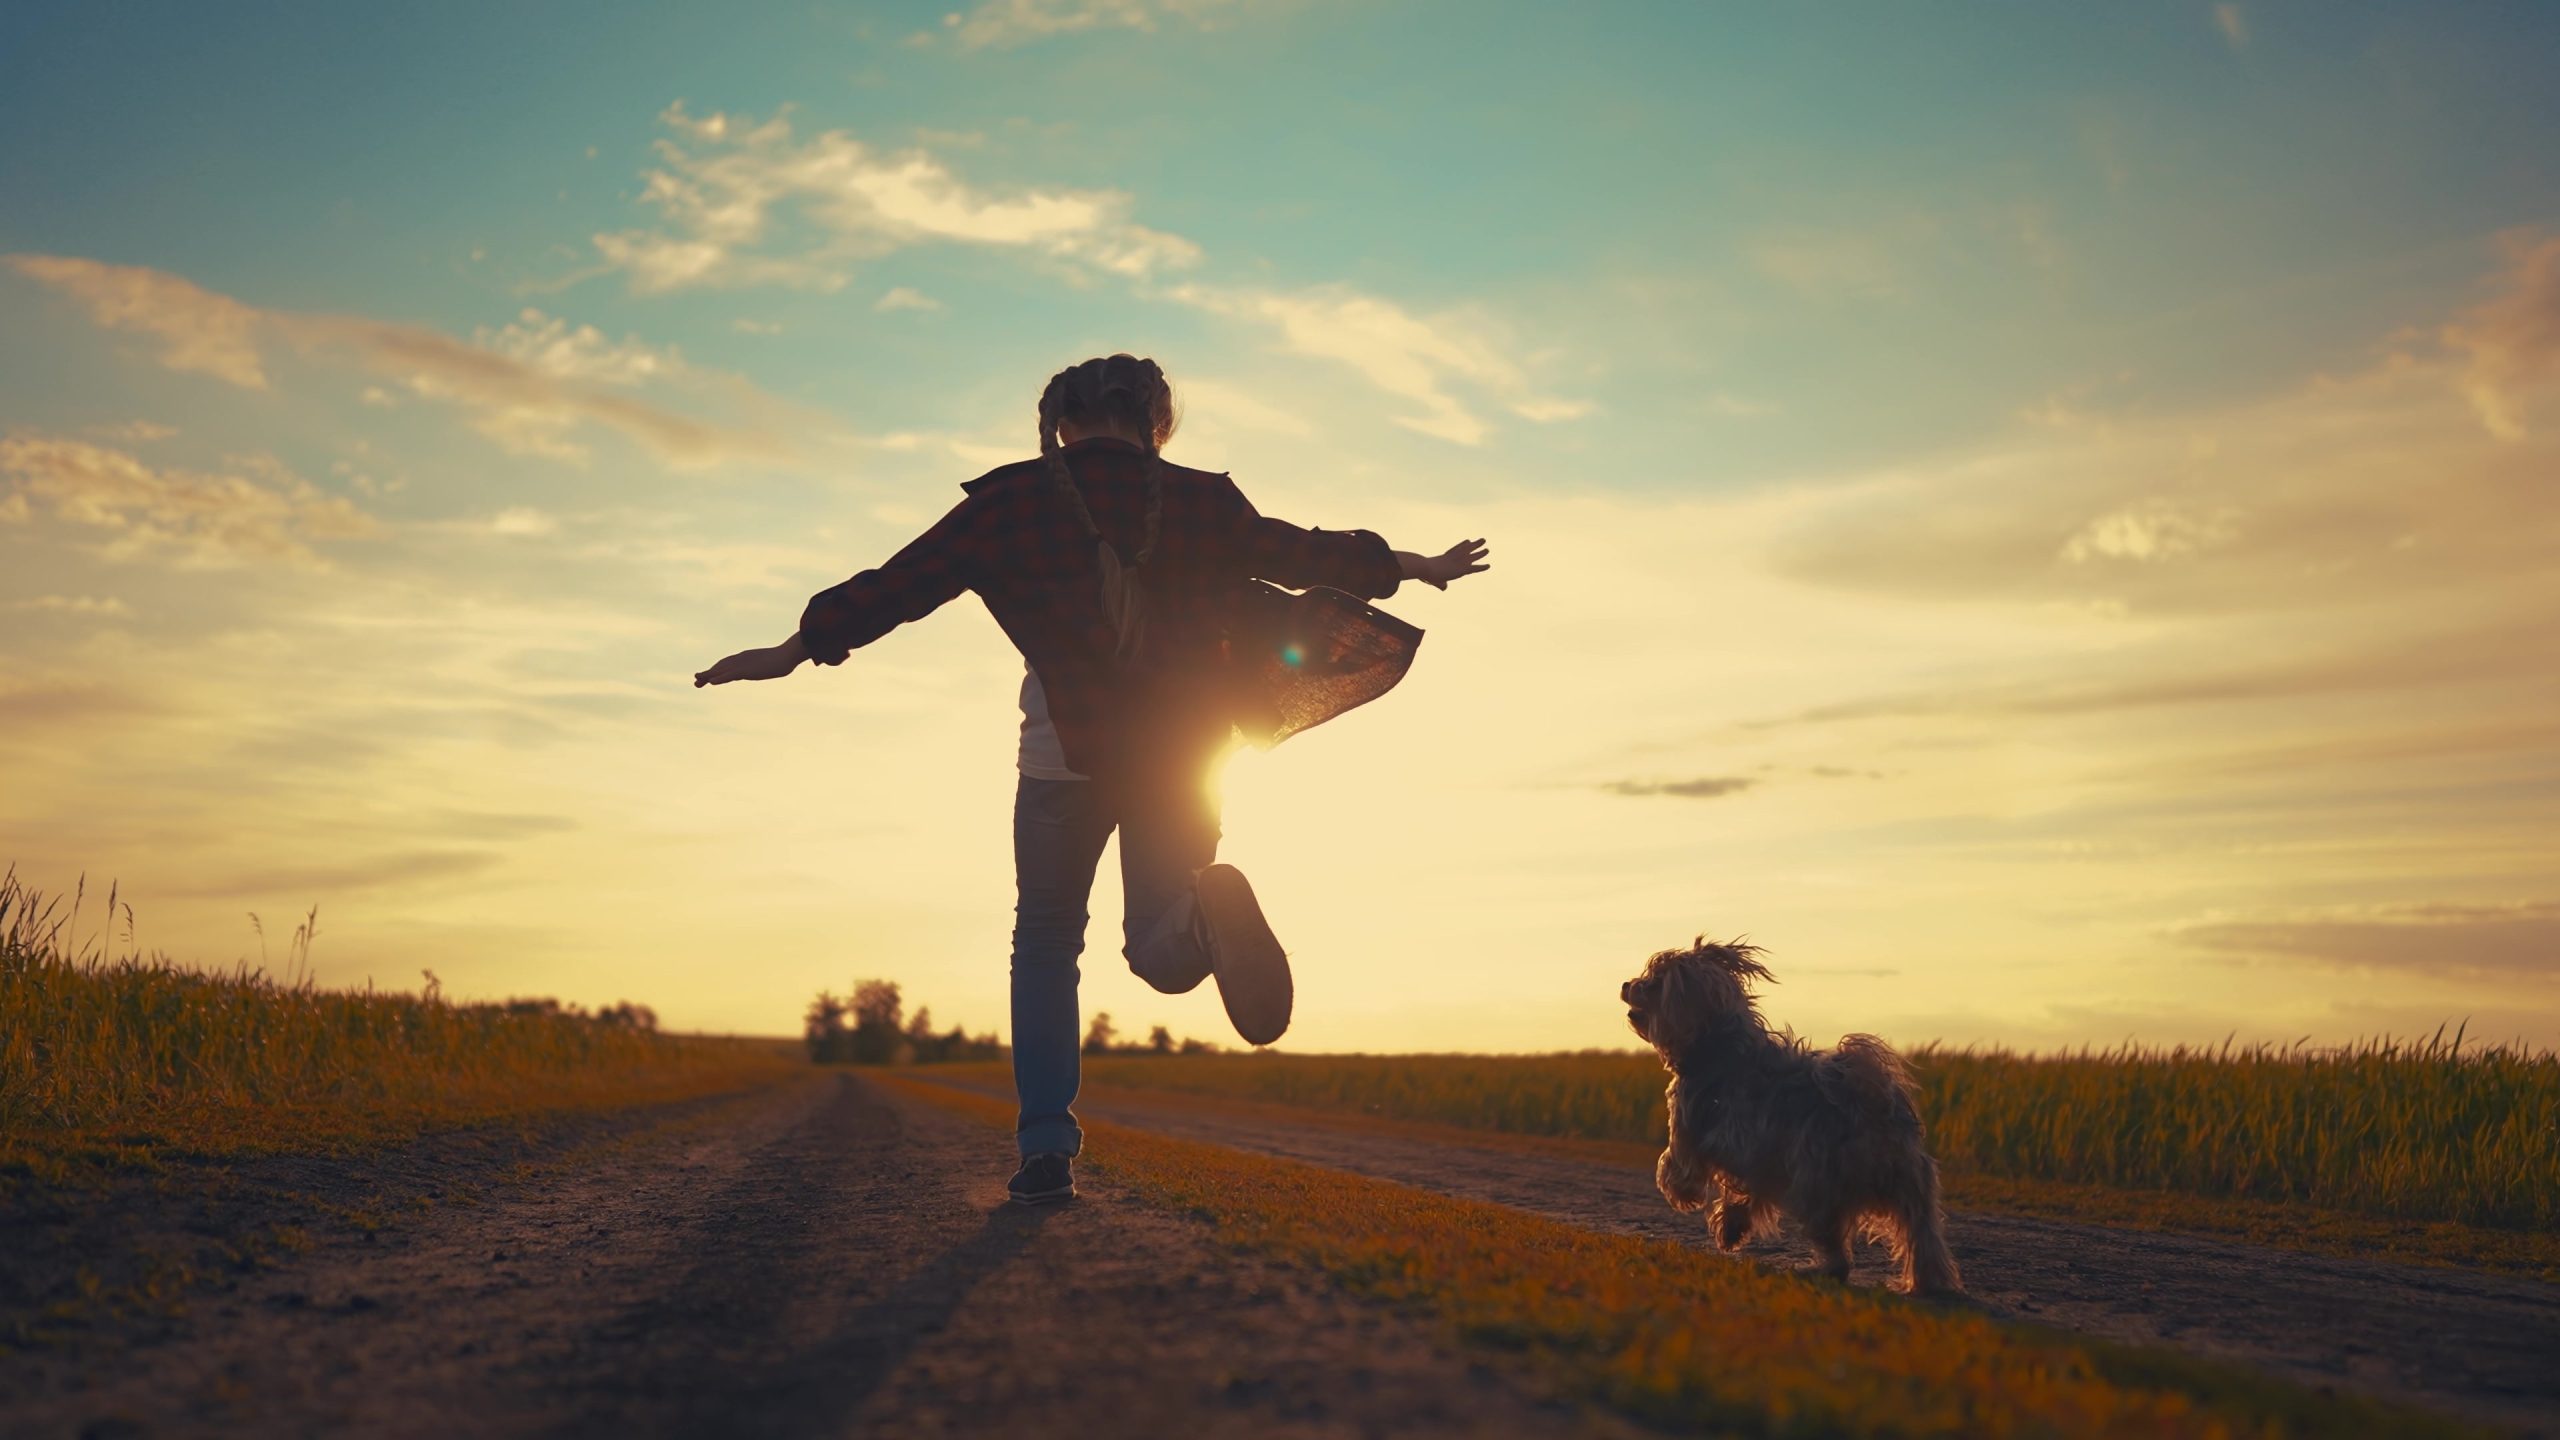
{"x": 1627, "y": 992}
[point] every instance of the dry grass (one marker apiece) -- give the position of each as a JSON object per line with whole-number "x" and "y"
{"x": 2424, "y": 1132}
{"x": 1687, "y": 1338}
{"x": 106, "y": 1056}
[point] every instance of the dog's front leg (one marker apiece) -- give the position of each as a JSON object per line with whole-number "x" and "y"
{"x": 1682, "y": 1176}
{"x": 1732, "y": 1219}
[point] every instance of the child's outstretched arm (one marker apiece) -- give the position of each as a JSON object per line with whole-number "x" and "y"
{"x": 931, "y": 571}
{"x": 1465, "y": 558}
{"x": 770, "y": 663}
{"x": 1353, "y": 560}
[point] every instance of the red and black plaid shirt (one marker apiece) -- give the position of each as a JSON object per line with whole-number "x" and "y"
{"x": 1018, "y": 542}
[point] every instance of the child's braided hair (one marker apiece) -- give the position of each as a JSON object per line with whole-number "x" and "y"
{"x": 1121, "y": 392}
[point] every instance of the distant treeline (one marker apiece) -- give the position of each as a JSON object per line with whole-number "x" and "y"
{"x": 1103, "y": 1038}
{"x": 871, "y": 1028}
{"x": 622, "y": 1012}
{"x": 880, "y": 1034}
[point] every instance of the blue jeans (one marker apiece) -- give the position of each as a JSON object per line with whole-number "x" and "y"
{"x": 1059, "y": 827}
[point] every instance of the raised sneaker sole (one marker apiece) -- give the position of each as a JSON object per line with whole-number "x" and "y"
{"x": 1252, "y": 969}
{"x": 1042, "y": 1197}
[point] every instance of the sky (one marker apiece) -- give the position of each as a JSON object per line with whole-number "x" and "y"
{"x": 2042, "y": 517}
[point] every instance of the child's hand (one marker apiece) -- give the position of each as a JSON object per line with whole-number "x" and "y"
{"x": 770, "y": 663}
{"x": 1465, "y": 558}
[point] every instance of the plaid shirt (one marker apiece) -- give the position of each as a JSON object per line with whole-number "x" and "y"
{"x": 1017, "y": 542}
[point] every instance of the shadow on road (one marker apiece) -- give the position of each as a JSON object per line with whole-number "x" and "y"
{"x": 817, "y": 1388}
{"x": 801, "y": 1295}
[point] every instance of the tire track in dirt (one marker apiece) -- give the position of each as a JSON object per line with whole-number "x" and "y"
{"x": 2451, "y": 1340}
{"x": 817, "y": 1260}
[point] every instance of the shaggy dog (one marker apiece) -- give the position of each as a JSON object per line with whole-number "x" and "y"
{"x": 1762, "y": 1125}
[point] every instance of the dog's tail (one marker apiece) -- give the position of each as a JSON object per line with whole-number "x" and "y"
{"x": 1867, "y": 1076}
{"x": 1928, "y": 1267}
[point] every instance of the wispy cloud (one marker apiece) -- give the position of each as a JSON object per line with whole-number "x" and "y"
{"x": 2489, "y": 940}
{"x": 1704, "y": 787}
{"x": 1834, "y": 264}
{"x": 556, "y": 348}
{"x": 134, "y": 432}
{"x": 725, "y": 186}
{"x": 730, "y": 190}
{"x": 1016, "y": 22}
{"x": 198, "y": 330}
{"x": 256, "y": 511}
{"x": 2234, "y": 25}
{"x": 906, "y": 297}
{"x": 2297, "y": 500}
{"x": 522, "y": 520}
{"x": 2513, "y": 341}
{"x": 1411, "y": 357}
{"x": 100, "y": 605}
{"x": 533, "y": 385}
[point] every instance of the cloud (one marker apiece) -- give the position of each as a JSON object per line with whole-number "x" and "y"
{"x": 1017, "y": 22}
{"x": 1218, "y": 405}
{"x": 906, "y": 297}
{"x": 2344, "y": 490}
{"x": 562, "y": 351}
{"x": 2177, "y": 674}
{"x": 2147, "y": 530}
{"x": 1738, "y": 407}
{"x": 2513, "y": 341}
{"x": 107, "y": 605}
{"x": 2233, "y": 25}
{"x": 536, "y": 403}
{"x": 321, "y": 879}
{"x": 533, "y": 385}
{"x": 134, "y": 432}
{"x": 28, "y": 706}
{"x": 1705, "y": 787}
{"x": 1403, "y": 354}
{"x": 262, "y": 512}
{"x": 522, "y": 520}
{"x": 2478, "y": 940}
{"x": 731, "y": 192}
{"x": 198, "y": 330}
{"x": 1835, "y": 264}
{"x": 726, "y": 185}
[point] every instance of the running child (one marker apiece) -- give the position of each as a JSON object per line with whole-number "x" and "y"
{"x": 1121, "y": 578}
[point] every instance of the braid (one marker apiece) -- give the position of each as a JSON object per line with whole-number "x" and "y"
{"x": 1160, "y": 421}
{"x": 1123, "y": 389}
{"x": 1055, "y": 402}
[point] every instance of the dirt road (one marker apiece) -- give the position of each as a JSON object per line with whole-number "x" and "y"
{"x": 2451, "y": 1340}
{"x": 814, "y": 1261}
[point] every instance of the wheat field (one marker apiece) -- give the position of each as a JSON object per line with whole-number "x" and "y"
{"x": 120, "y": 1050}
{"x": 2435, "y": 1129}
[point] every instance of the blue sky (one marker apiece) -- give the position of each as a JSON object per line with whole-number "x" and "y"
{"x": 2076, "y": 456}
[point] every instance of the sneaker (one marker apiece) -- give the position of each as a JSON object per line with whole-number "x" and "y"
{"x": 1042, "y": 1180}
{"x": 1252, "y": 969}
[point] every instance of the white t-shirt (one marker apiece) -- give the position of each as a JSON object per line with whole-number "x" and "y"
{"x": 1043, "y": 758}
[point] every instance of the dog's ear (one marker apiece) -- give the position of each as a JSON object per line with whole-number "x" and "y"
{"x": 1714, "y": 975}
{"x": 1738, "y": 958}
